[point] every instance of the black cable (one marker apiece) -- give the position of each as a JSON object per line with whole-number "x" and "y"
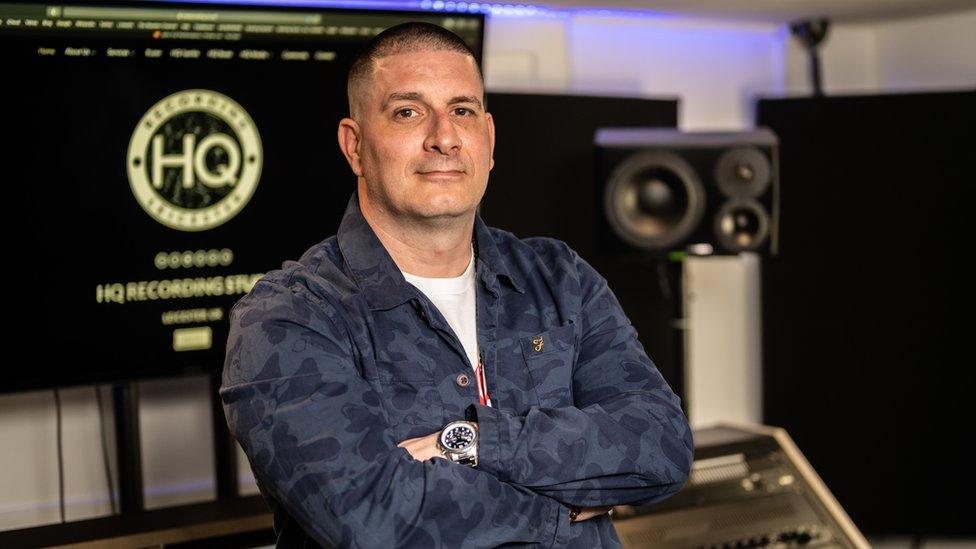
{"x": 108, "y": 467}
{"x": 57, "y": 417}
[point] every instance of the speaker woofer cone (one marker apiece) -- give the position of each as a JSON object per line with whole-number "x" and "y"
{"x": 654, "y": 200}
{"x": 741, "y": 225}
{"x": 742, "y": 172}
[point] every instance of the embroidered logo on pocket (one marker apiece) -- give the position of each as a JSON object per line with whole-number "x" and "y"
{"x": 538, "y": 344}
{"x": 545, "y": 342}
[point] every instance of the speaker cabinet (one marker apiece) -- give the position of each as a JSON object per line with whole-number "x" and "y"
{"x": 664, "y": 190}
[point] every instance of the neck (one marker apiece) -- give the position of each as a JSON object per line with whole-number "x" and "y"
{"x": 429, "y": 248}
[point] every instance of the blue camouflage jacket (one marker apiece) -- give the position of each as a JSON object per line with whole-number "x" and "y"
{"x": 334, "y": 359}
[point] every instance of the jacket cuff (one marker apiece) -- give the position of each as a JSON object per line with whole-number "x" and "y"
{"x": 491, "y": 439}
{"x": 563, "y": 527}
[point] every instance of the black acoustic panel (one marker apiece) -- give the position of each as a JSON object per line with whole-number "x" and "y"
{"x": 866, "y": 344}
{"x": 543, "y": 184}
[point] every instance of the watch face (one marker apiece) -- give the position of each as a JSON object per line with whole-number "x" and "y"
{"x": 458, "y": 438}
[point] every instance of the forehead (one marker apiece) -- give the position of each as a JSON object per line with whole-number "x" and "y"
{"x": 444, "y": 71}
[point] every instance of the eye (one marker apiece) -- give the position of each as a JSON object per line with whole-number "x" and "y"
{"x": 463, "y": 111}
{"x": 405, "y": 113}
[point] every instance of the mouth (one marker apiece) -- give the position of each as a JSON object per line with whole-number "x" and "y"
{"x": 442, "y": 174}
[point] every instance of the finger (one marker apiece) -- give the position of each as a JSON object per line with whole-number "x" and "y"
{"x": 403, "y": 443}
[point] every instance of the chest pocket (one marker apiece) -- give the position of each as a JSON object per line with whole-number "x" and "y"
{"x": 549, "y": 358}
{"x": 409, "y": 395}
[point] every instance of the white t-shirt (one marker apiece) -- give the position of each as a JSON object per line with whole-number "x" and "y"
{"x": 455, "y": 299}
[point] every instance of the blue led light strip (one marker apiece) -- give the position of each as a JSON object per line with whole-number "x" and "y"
{"x": 487, "y": 8}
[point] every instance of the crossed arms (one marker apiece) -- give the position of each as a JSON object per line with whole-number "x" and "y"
{"x": 320, "y": 444}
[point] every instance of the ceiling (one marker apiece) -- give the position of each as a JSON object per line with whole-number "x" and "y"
{"x": 777, "y": 10}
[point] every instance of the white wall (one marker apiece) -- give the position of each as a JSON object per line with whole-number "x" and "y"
{"x": 926, "y": 53}
{"x": 715, "y": 68}
{"x": 176, "y": 428}
{"x": 527, "y": 55}
{"x": 28, "y": 457}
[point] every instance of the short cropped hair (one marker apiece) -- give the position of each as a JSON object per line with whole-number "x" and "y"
{"x": 405, "y": 37}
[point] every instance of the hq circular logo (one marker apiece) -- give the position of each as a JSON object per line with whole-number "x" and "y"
{"x": 194, "y": 160}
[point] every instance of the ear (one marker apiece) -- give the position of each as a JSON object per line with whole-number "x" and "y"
{"x": 350, "y": 136}
{"x": 491, "y": 139}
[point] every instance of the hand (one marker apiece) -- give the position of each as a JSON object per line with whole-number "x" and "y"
{"x": 587, "y": 513}
{"x": 423, "y": 448}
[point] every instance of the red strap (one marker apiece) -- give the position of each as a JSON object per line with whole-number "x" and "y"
{"x": 482, "y": 384}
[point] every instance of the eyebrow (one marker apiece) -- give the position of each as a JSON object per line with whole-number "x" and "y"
{"x": 414, "y": 96}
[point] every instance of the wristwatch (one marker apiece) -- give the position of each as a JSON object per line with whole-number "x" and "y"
{"x": 459, "y": 442}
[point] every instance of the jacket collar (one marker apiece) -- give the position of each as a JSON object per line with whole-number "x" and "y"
{"x": 380, "y": 279}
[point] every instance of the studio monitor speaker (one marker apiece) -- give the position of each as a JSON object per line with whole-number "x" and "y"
{"x": 664, "y": 190}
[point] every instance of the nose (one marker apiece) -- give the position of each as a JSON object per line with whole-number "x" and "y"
{"x": 442, "y": 136}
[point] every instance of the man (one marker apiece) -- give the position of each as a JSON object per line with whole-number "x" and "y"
{"x": 341, "y": 375}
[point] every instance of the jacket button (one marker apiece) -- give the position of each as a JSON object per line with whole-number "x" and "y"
{"x": 463, "y": 380}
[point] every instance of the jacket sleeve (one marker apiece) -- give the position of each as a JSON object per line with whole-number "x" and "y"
{"x": 625, "y": 440}
{"x": 320, "y": 445}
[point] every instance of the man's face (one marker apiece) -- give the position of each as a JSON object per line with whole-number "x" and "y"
{"x": 426, "y": 142}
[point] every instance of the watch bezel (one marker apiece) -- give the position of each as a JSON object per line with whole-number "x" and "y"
{"x": 455, "y": 424}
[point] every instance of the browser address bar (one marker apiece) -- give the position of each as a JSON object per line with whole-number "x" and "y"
{"x": 77, "y": 12}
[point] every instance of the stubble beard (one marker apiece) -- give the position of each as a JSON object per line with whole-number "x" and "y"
{"x": 408, "y": 211}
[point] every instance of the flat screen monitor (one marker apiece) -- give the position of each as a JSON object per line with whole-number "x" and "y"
{"x": 159, "y": 159}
